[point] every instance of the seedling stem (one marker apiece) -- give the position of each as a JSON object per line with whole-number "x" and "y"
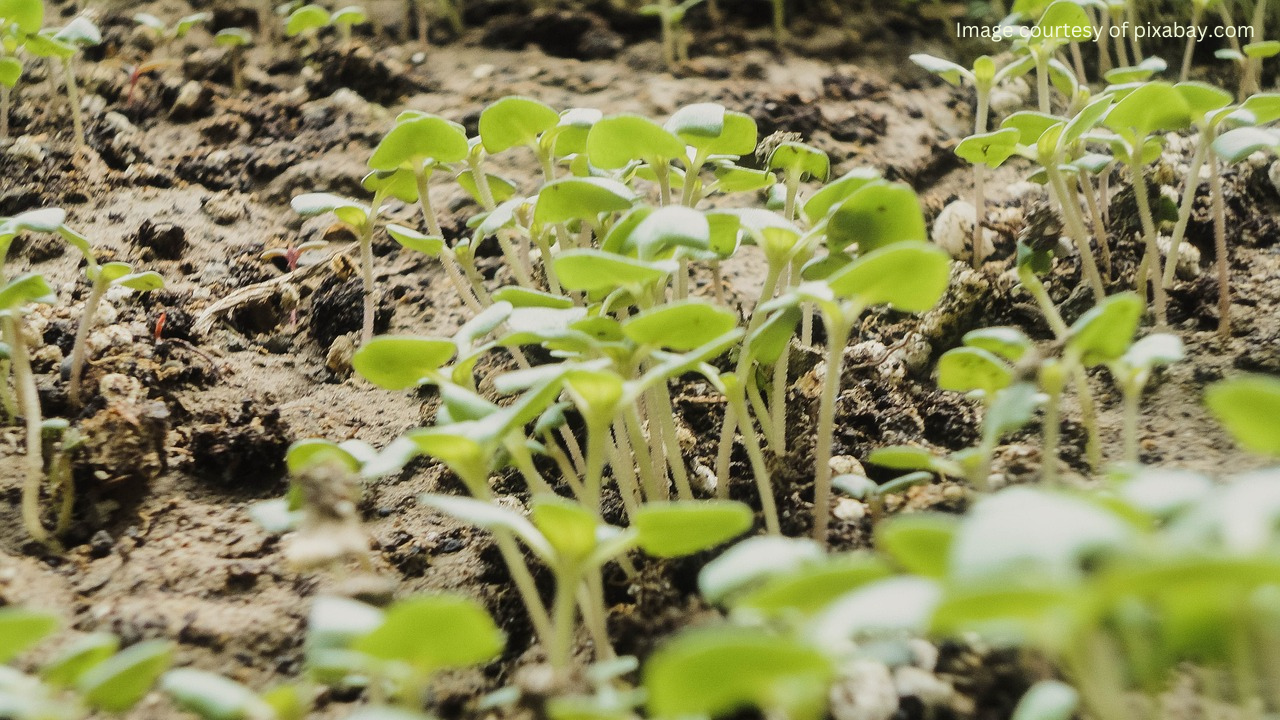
{"x": 97, "y": 288}
{"x": 29, "y": 398}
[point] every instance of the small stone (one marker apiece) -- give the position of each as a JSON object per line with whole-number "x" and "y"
{"x": 849, "y": 510}
{"x": 28, "y": 150}
{"x": 192, "y": 100}
{"x": 118, "y": 124}
{"x": 924, "y": 654}
{"x": 954, "y": 493}
{"x": 953, "y": 232}
{"x": 922, "y": 685}
{"x": 846, "y": 465}
{"x": 338, "y": 359}
{"x": 865, "y": 691}
{"x": 227, "y": 207}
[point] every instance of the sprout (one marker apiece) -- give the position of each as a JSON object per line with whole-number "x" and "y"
{"x": 101, "y": 278}
{"x": 14, "y": 298}
{"x": 235, "y": 40}
{"x": 1132, "y": 371}
{"x": 1248, "y": 406}
{"x": 307, "y": 22}
{"x": 64, "y": 44}
{"x": 347, "y": 17}
{"x": 361, "y": 218}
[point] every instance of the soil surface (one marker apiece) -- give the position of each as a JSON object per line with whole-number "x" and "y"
{"x": 196, "y": 391}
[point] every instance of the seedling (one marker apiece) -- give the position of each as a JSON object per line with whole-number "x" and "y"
{"x": 675, "y": 41}
{"x": 14, "y": 298}
{"x": 447, "y": 8}
{"x": 345, "y": 19}
{"x": 166, "y": 34}
{"x": 91, "y": 675}
{"x": 575, "y": 544}
{"x": 63, "y": 45}
{"x": 101, "y": 278}
{"x": 983, "y": 150}
{"x": 307, "y": 21}
{"x": 360, "y": 218}
{"x": 1132, "y": 371}
{"x": 903, "y": 274}
{"x": 1150, "y": 109}
{"x": 19, "y": 19}
{"x": 235, "y": 40}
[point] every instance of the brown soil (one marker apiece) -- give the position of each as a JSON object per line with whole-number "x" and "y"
{"x": 191, "y": 411}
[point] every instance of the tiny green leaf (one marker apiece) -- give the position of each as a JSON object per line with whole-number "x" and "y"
{"x": 21, "y": 629}
{"x": 1249, "y": 407}
{"x": 433, "y": 633}
{"x": 680, "y": 326}
{"x": 397, "y": 362}
{"x": 675, "y": 529}
{"x": 119, "y": 682}
{"x": 513, "y": 121}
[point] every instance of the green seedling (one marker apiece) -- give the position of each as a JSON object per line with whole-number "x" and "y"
{"x": 1137, "y": 119}
{"x": 62, "y": 45}
{"x": 360, "y": 218}
{"x": 1054, "y": 143}
{"x": 1062, "y": 22}
{"x": 307, "y": 21}
{"x": 101, "y": 278}
{"x": 19, "y": 19}
{"x": 165, "y": 34}
{"x": 1132, "y": 371}
{"x": 714, "y": 672}
{"x": 88, "y": 677}
{"x": 235, "y": 40}
{"x": 1248, "y": 407}
{"x": 615, "y": 142}
{"x": 14, "y": 299}
{"x": 1234, "y": 146}
{"x": 906, "y": 275}
{"x": 1211, "y": 109}
{"x": 61, "y": 441}
{"x": 573, "y": 542}
{"x": 420, "y": 144}
{"x": 398, "y": 652}
{"x": 213, "y": 697}
{"x": 985, "y": 151}
{"x": 675, "y": 40}
{"x": 345, "y": 19}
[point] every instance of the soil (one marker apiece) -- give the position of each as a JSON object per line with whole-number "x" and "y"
{"x": 193, "y": 399}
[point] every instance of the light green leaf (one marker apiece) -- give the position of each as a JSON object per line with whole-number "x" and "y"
{"x": 1249, "y": 407}
{"x": 397, "y": 362}
{"x": 876, "y": 215}
{"x": 675, "y": 529}
{"x": 908, "y": 276}
{"x": 433, "y": 633}
{"x": 513, "y": 121}
{"x": 212, "y": 696}
{"x": 119, "y": 682}
{"x": 21, "y": 629}
{"x": 616, "y": 141}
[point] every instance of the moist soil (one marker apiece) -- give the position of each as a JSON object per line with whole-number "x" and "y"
{"x": 195, "y": 392}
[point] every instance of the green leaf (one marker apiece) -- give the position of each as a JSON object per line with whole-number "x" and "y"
{"x": 969, "y": 368}
{"x": 903, "y": 457}
{"x": 80, "y": 32}
{"x": 919, "y": 542}
{"x": 46, "y": 46}
{"x": 350, "y": 15}
{"x": 10, "y": 71}
{"x": 490, "y": 516}
{"x": 1249, "y": 407}
{"x": 27, "y": 15}
{"x": 335, "y": 622}
{"x": 890, "y": 608}
{"x": 616, "y": 141}
{"x": 1106, "y": 331}
{"x": 576, "y": 198}
{"x": 26, "y": 288}
{"x": 713, "y": 130}
{"x": 397, "y": 362}
{"x": 521, "y": 297}
{"x": 907, "y": 276}
{"x": 945, "y": 69}
{"x": 212, "y": 696}
{"x": 1153, "y": 107}
{"x": 1236, "y": 145}
{"x": 662, "y": 231}
{"x": 1203, "y": 98}
{"x": 591, "y": 270}
{"x": 1030, "y": 125}
{"x": 1262, "y": 50}
{"x": 836, "y": 191}
{"x": 1264, "y": 106}
{"x": 305, "y": 18}
{"x": 429, "y": 245}
{"x": 1063, "y": 21}
{"x": 119, "y": 682}
{"x": 1007, "y": 342}
{"x": 513, "y": 121}
{"x": 676, "y": 529}
{"x": 417, "y": 140}
{"x": 233, "y": 37}
{"x": 876, "y": 215}
{"x": 348, "y": 211}
{"x": 681, "y": 326}
{"x": 752, "y": 561}
{"x": 990, "y": 149}
{"x": 433, "y": 633}
{"x": 309, "y": 452}
{"x": 78, "y": 657}
{"x": 21, "y": 629}
{"x": 141, "y": 282}
{"x": 1048, "y": 700}
{"x": 800, "y": 160}
{"x": 1137, "y": 73}
{"x": 716, "y": 671}
{"x": 767, "y": 342}
{"x": 811, "y": 587}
